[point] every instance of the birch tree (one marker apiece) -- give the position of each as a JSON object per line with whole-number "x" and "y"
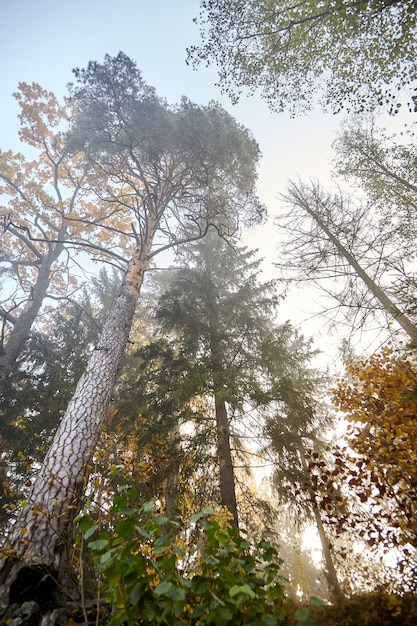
{"x": 167, "y": 173}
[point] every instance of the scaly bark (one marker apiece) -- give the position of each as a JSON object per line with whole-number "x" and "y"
{"x": 43, "y": 533}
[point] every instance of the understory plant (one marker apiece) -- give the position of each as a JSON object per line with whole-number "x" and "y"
{"x": 151, "y": 574}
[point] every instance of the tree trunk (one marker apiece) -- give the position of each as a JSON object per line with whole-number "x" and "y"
{"x": 408, "y": 326}
{"x": 43, "y": 533}
{"x": 227, "y": 475}
{"x": 22, "y": 325}
{"x": 224, "y": 455}
{"x": 170, "y": 491}
{"x": 331, "y": 574}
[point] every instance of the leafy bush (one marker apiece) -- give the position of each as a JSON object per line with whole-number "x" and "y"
{"x": 229, "y": 580}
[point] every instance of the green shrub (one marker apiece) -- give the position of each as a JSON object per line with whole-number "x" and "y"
{"x": 228, "y": 580}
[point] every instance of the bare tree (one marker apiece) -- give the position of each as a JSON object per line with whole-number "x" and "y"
{"x": 384, "y": 167}
{"x": 339, "y": 246}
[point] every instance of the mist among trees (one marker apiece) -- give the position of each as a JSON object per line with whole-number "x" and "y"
{"x": 172, "y": 445}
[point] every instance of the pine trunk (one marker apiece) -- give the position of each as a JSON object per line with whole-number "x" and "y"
{"x": 43, "y": 533}
{"x": 224, "y": 455}
{"x": 171, "y": 483}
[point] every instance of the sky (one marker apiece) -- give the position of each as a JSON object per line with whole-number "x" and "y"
{"x": 42, "y": 41}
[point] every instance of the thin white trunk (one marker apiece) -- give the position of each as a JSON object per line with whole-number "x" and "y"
{"x": 331, "y": 574}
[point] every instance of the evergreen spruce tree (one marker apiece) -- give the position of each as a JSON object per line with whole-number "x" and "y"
{"x": 219, "y": 358}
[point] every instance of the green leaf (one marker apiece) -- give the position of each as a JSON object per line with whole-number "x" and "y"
{"x": 207, "y": 510}
{"x": 236, "y": 589}
{"x": 120, "y": 505}
{"x": 200, "y": 584}
{"x": 136, "y": 593}
{"x": 160, "y": 548}
{"x": 302, "y": 617}
{"x": 198, "y": 612}
{"x": 84, "y": 522}
{"x": 148, "y": 507}
{"x": 163, "y": 588}
{"x": 132, "y": 493}
{"x": 126, "y": 528}
{"x": 98, "y": 544}
{"x": 223, "y": 614}
{"x": 106, "y": 558}
{"x": 90, "y": 531}
{"x": 177, "y": 595}
{"x": 212, "y": 560}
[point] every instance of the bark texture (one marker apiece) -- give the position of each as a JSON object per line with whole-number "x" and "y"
{"x": 43, "y": 533}
{"x": 171, "y": 485}
{"x": 224, "y": 455}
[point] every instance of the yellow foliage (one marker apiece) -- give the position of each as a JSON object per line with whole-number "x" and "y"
{"x": 223, "y": 517}
{"x": 379, "y": 398}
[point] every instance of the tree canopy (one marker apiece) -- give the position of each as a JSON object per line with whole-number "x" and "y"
{"x": 356, "y": 54}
